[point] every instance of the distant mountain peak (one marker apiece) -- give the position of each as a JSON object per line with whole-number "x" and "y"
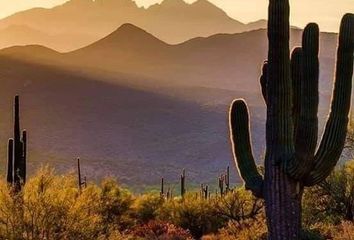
{"x": 117, "y": 3}
{"x": 173, "y": 3}
{"x": 78, "y": 3}
{"x": 131, "y": 33}
{"x": 129, "y": 28}
{"x": 203, "y": 3}
{"x": 127, "y": 36}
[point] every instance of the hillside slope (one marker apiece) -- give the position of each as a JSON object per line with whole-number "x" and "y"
{"x": 132, "y": 100}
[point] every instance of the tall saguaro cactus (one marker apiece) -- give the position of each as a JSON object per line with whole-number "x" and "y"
{"x": 290, "y": 90}
{"x": 17, "y": 152}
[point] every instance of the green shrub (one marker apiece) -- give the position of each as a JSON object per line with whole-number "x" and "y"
{"x": 146, "y": 207}
{"x": 192, "y": 213}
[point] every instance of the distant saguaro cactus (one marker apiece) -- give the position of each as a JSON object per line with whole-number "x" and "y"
{"x": 79, "y": 178}
{"x": 290, "y": 90}
{"x": 162, "y": 190}
{"x": 17, "y": 152}
{"x": 227, "y": 179}
{"x": 10, "y": 160}
{"x": 221, "y": 182}
{"x": 183, "y": 183}
{"x": 204, "y": 191}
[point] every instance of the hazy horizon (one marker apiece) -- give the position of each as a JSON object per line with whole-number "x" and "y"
{"x": 328, "y": 13}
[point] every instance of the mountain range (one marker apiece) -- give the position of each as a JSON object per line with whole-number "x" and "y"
{"x": 138, "y": 108}
{"x": 78, "y": 23}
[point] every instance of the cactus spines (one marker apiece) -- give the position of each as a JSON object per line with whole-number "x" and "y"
{"x": 10, "y": 152}
{"x": 290, "y": 90}
{"x": 17, "y": 152}
{"x": 183, "y": 182}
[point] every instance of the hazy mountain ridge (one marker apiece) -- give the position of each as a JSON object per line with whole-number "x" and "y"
{"x": 78, "y": 23}
{"x": 131, "y": 99}
{"x": 197, "y": 62}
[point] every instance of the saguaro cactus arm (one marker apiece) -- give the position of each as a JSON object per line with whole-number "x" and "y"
{"x": 297, "y": 78}
{"x": 241, "y": 142}
{"x": 334, "y": 135}
{"x": 24, "y": 156}
{"x": 10, "y": 162}
{"x": 306, "y": 102}
{"x": 263, "y": 80}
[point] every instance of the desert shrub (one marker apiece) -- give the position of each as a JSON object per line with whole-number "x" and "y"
{"x": 115, "y": 206}
{"x": 339, "y": 186}
{"x": 10, "y": 213}
{"x": 345, "y": 231}
{"x": 192, "y": 213}
{"x": 51, "y": 207}
{"x": 250, "y": 230}
{"x": 116, "y": 235}
{"x": 333, "y": 200}
{"x": 146, "y": 207}
{"x": 84, "y": 217}
{"x": 323, "y": 231}
{"x": 318, "y": 207}
{"x": 157, "y": 230}
{"x": 239, "y": 206}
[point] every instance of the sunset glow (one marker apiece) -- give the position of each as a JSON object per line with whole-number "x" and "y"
{"x": 326, "y": 12}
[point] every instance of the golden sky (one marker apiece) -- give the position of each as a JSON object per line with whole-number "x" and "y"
{"x": 325, "y": 12}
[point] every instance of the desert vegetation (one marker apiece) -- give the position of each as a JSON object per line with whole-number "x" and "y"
{"x": 298, "y": 194}
{"x": 52, "y": 206}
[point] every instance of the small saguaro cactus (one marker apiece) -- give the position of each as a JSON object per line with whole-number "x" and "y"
{"x": 183, "y": 183}
{"x": 10, "y": 171}
{"x": 204, "y": 191}
{"x": 162, "y": 192}
{"x": 227, "y": 179}
{"x": 221, "y": 181}
{"x": 290, "y": 90}
{"x": 80, "y": 182}
{"x": 17, "y": 152}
